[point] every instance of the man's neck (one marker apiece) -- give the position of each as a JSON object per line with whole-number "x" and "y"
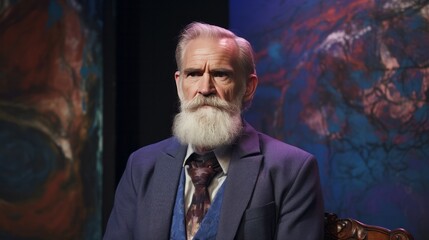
{"x": 201, "y": 150}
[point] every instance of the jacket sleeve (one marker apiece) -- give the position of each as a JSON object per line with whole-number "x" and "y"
{"x": 121, "y": 220}
{"x": 301, "y": 214}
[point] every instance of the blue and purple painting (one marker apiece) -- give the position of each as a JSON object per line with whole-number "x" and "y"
{"x": 349, "y": 82}
{"x": 50, "y": 119}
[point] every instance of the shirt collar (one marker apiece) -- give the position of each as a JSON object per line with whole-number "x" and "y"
{"x": 223, "y": 155}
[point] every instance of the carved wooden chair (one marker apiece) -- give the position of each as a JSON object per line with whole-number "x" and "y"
{"x": 351, "y": 229}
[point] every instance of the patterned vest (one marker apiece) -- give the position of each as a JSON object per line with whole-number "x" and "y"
{"x": 208, "y": 227}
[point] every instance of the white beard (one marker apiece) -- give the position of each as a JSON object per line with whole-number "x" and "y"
{"x": 208, "y": 122}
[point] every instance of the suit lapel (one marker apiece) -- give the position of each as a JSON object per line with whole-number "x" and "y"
{"x": 242, "y": 175}
{"x": 166, "y": 176}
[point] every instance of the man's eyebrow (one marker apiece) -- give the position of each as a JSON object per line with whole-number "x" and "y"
{"x": 188, "y": 70}
{"x": 215, "y": 70}
{"x": 227, "y": 70}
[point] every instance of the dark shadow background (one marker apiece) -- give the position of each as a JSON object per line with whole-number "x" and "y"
{"x": 140, "y": 97}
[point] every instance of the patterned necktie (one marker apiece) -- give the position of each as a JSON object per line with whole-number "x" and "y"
{"x": 202, "y": 169}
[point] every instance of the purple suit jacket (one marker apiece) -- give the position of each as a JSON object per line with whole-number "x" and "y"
{"x": 272, "y": 192}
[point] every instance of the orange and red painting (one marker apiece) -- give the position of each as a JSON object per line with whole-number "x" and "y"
{"x": 50, "y": 119}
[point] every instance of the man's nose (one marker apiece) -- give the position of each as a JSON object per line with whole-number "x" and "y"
{"x": 206, "y": 85}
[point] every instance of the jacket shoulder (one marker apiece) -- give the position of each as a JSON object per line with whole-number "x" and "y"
{"x": 158, "y": 147}
{"x": 147, "y": 155}
{"x": 272, "y": 145}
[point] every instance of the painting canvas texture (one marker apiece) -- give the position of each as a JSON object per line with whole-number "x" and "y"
{"x": 50, "y": 120}
{"x": 349, "y": 82}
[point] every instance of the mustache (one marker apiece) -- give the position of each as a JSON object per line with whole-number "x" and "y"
{"x": 212, "y": 101}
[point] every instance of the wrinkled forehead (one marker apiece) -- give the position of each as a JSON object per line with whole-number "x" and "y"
{"x": 209, "y": 46}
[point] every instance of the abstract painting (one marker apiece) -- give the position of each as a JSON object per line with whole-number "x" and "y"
{"x": 50, "y": 119}
{"x": 349, "y": 82}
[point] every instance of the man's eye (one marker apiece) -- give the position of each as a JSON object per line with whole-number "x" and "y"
{"x": 220, "y": 75}
{"x": 193, "y": 74}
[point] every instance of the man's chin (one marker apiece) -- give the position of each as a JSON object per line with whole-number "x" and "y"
{"x": 206, "y": 106}
{"x": 205, "y": 109}
{"x": 207, "y": 127}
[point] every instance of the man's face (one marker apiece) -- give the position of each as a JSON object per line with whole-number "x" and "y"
{"x": 212, "y": 92}
{"x": 208, "y": 69}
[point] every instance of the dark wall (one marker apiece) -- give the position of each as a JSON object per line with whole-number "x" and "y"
{"x": 140, "y": 85}
{"x": 146, "y": 93}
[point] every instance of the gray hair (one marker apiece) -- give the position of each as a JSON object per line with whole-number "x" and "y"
{"x": 195, "y": 30}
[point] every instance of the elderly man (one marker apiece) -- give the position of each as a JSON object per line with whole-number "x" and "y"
{"x": 217, "y": 177}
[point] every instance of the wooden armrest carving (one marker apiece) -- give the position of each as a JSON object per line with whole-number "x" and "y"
{"x": 351, "y": 229}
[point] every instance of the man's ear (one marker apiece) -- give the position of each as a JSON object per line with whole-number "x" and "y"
{"x": 177, "y": 77}
{"x": 252, "y": 83}
{"x": 178, "y": 86}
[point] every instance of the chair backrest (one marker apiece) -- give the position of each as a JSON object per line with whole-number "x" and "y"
{"x": 351, "y": 229}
